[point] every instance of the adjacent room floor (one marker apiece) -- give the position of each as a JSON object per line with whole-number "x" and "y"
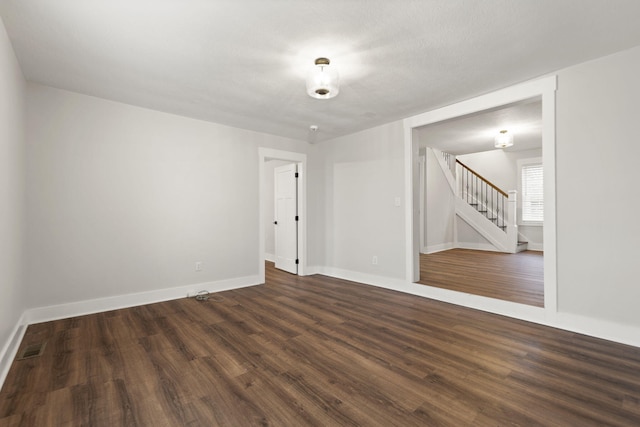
{"x": 317, "y": 351}
{"x": 511, "y": 277}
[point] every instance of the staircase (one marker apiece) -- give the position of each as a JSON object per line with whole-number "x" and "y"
{"x": 488, "y": 209}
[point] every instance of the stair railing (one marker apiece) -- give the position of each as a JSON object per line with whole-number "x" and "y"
{"x": 484, "y": 196}
{"x": 450, "y": 160}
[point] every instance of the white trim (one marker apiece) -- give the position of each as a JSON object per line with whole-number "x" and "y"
{"x": 498, "y": 98}
{"x": 477, "y": 246}
{"x": 301, "y": 159}
{"x": 422, "y": 164}
{"x": 98, "y": 305}
{"x": 314, "y": 269}
{"x": 597, "y": 328}
{"x": 545, "y": 88}
{"x": 412, "y": 219}
{"x": 269, "y": 257}
{"x": 364, "y": 278}
{"x": 549, "y": 230}
{"x": 11, "y": 348}
{"x": 530, "y": 223}
{"x": 535, "y": 246}
{"x": 439, "y": 248}
{"x": 506, "y": 308}
{"x": 80, "y": 308}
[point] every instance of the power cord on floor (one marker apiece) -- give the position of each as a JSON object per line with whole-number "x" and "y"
{"x": 202, "y": 296}
{"x": 206, "y": 296}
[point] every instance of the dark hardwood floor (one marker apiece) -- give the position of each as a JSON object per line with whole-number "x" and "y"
{"x": 317, "y": 351}
{"x": 511, "y": 277}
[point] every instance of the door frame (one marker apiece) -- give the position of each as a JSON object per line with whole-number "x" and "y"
{"x": 544, "y": 88}
{"x": 422, "y": 177}
{"x": 265, "y": 154}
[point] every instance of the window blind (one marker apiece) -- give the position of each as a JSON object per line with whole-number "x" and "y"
{"x": 532, "y": 193}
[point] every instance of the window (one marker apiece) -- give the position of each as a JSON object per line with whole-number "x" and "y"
{"x": 531, "y": 190}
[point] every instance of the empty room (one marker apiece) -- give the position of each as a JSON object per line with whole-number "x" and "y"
{"x": 336, "y": 213}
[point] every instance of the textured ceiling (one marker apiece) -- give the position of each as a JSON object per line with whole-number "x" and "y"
{"x": 476, "y": 132}
{"x": 242, "y": 63}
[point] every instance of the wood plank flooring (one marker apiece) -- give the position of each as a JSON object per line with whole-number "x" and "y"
{"x": 317, "y": 351}
{"x": 511, "y": 277}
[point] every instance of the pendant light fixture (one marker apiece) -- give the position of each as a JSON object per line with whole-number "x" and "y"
{"x": 504, "y": 139}
{"x": 322, "y": 81}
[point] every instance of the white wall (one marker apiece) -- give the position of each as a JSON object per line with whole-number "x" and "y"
{"x": 12, "y": 302}
{"x": 124, "y": 199}
{"x": 317, "y": 203}
{"x": 597, "y": 153}
{"x": 269, "y": 206}
{"x": 501, "y": 168}
{"x": 363, "y": 175}
{"x": 596, "y": 148}
{"x": 440, "y": 207}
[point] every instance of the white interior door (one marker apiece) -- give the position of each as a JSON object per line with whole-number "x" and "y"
{"x": 285, "y": 222}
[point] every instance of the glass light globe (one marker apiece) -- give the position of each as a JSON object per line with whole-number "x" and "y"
{"x": 504, "y": 139}
{"x": 323, "y": 80}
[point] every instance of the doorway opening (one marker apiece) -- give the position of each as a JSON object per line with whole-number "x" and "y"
{"x": 474, "y": 237}
{"x": 543, "y": 90}
{"x": 269, "y": 160}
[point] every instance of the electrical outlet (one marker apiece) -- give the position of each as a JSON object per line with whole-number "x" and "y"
{"x": 199, "y": 266}
{"x": 374, "y": 260}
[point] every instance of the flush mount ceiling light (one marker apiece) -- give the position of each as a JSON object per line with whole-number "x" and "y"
{"x": 322, "y": 81}
{"x": 504, "y": 139}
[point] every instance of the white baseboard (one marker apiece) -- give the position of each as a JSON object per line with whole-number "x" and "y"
{"x": 11, "y": 348}
{"x": 80, "y": 308}
{"x": 477, "y": 246}
{"x": 270, "y": 257}
{"x": 313, "y": 269}
{"x": 438, "y": 248}
{"x": 367, "y": 279}
{"x": 535, "y": 246}
{"x": 597, "y": 328}
{"x": 506, "y": 308}
{"x": 491, "y": 248}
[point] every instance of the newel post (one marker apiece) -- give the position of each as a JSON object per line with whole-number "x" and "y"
{"x": 512, "y": 221}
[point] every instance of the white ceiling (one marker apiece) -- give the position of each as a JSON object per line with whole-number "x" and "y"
{"x": 242, "y": 62}
{"x": 476, "y": 132}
